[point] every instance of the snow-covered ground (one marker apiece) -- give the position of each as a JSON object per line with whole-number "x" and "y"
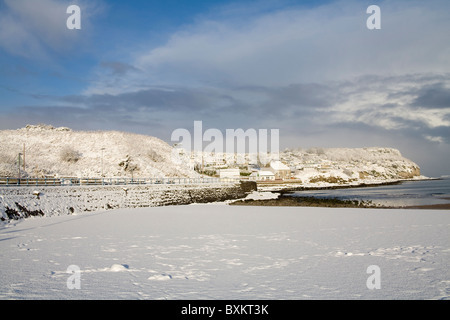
{"x": 216, "y": 251}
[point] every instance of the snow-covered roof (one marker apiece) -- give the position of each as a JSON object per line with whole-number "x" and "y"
{"x": 278, "y": 165}
{"x": 266, "y": 173}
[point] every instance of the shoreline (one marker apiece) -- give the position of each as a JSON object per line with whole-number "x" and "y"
{"x": 441, "y": 206}
{"x": 283, "y": 187}
{"x": 310, "y": 201}
{"x": 287, "y": 201}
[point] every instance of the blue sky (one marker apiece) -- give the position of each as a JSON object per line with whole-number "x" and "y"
{"x": 309, "y": 68}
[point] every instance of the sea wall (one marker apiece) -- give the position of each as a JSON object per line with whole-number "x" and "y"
{"x": 22, "y": 202}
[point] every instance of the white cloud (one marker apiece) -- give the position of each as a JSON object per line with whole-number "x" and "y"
{"x": 34, "y": 29}
{"x": 435, "y": 139}
{"x": 294, "y": 45}
{"x": 390, "y": 103}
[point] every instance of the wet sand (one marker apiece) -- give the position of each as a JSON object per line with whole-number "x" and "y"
{"x": 442, "y": 206}
{"x": 284, "y": 201}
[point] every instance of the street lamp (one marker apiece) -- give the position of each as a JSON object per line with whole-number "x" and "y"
{"x": 18, "y": 165}
{"x": 102, "y": 161}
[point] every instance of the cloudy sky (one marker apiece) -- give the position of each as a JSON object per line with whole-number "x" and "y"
{"x": 311, "y": 69}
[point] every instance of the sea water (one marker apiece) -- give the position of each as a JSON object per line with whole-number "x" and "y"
{"x": 406, "y": 193}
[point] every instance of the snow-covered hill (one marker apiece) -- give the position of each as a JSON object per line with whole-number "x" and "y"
{"x": 62, "y": 152}
{"x": 51, "y": 151}
{"x": 344, "y": 165}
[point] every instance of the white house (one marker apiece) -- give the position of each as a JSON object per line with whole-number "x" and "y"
{"x": 262, "y": 176}
{"x": 280, "y": 170}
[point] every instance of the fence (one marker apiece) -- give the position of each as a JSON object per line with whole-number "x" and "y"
{"x": 29, "y": 182}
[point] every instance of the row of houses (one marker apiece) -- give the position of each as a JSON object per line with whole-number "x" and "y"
{"x": 260, "y": 168}
{"x": 275, "y": 171}
{"x": 222, "y": 159}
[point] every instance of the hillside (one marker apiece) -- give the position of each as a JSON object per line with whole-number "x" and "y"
{"x": 62, "y": 152}
{"x": 51, "y": 151}
{"x": 343, "y": 165}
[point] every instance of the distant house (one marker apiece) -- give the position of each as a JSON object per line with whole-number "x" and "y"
{"x": 229, "y": 173}
{"x": 262, "y": 176}
{"x": 280, "y": 170}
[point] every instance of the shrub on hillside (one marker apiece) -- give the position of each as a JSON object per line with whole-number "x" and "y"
{"x": 68, "y": 154}
{"x": 154, "y": 156}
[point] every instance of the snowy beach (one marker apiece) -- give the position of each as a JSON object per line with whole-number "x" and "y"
{"x": 216, "y": 251}
{"x": 215, "y": 151}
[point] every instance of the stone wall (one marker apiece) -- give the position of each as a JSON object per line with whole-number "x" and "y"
{"x": 16, "y": 203}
